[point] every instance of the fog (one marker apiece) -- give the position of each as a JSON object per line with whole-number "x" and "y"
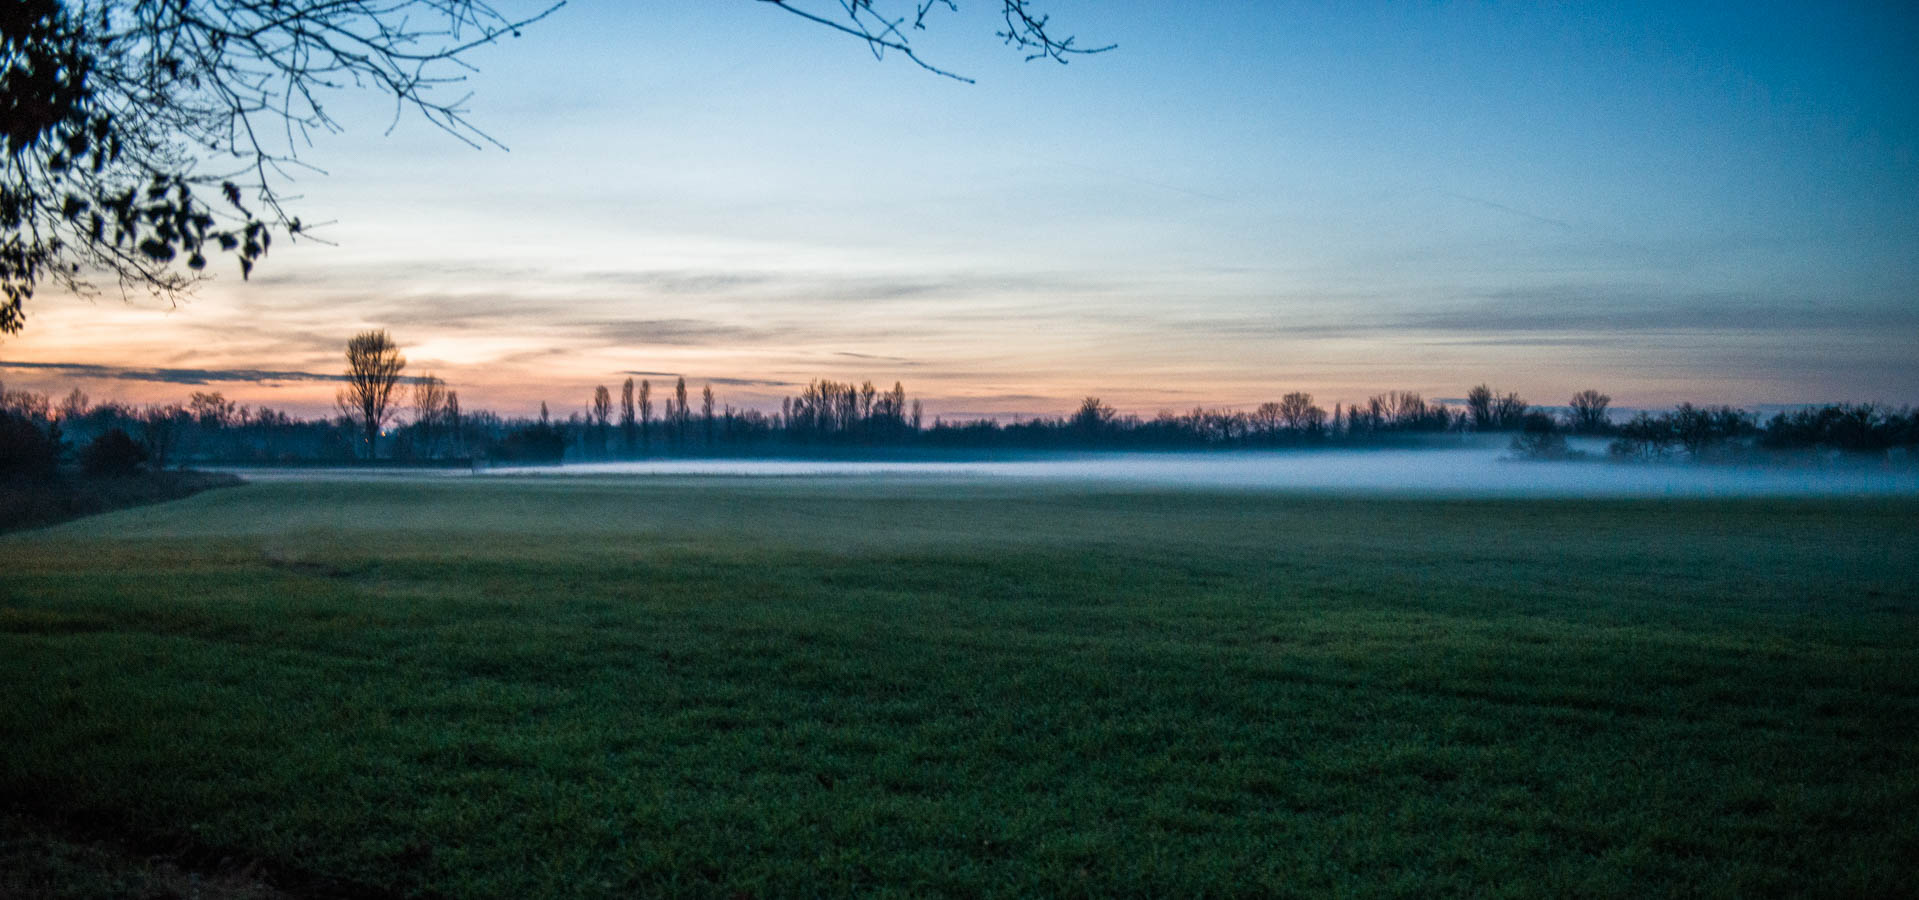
{"x": 1456, "y": 472}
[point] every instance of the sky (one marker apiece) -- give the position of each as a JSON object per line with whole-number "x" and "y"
{"x": 1666, "y": 202}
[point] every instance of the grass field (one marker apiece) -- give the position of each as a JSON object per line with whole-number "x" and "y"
{"x": 796, "y": 687}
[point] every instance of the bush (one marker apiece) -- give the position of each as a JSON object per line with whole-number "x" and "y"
{"x": 542, "y": 443}
{"x": 114, "y": 453}
{"x": 25, "y": 450}
{"x": 1539, "y": 438}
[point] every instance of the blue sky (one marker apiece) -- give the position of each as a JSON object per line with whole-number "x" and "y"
{"x": 1712, "y": 202}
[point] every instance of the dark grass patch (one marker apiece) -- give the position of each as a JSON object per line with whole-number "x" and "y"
{"x": 33, "y": 503}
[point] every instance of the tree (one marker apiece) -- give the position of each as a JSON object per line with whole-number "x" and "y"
{"x": 74, "y": 406}
{"x": 681, "y": 415}
{"x": 27, "y": 451}
{"x": 373, "y": 366}
{"x": 602, "y": 415}
{"x": 706, "y": 414}
{"x": 211, "y": 409}
{"x": 456, "y": 429}
{"x": 429, "y": 407}
{"x": 889, "y": 26}
{"x": 1093, "y": 419}
{"x": 1494, "y": 412}
{"x": 1539, "y": 438}
{"x": 122, "y": 116}
{"x": 1509, "y": 412}
{"x": 160, "y": 427}
{"x": 646, "y": 415}
{"x": 1299, "y": 413}
{"x": 627, "y": 432}
{"x": 1589, "y": 413}
{"x": 113, "y": 454}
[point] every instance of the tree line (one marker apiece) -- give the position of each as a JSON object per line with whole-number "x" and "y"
{"x": 383, "y": 414}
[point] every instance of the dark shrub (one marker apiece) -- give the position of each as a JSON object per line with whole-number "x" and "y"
{"x": 113, "y": 453}
{"x": 542, "y": 443}
{"x": 1539, "y": 438}
{"x": 26, "y": 451}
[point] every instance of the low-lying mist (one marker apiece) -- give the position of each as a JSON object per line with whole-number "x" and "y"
{"x": 1466, "y": 472}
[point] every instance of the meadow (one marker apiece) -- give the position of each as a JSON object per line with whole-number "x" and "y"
{"x": 706, "y": 686}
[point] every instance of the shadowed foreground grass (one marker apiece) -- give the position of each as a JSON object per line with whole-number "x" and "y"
{"x": 559, "y": 687}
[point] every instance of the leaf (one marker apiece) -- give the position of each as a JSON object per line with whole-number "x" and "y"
{"x": 156, "y": 249}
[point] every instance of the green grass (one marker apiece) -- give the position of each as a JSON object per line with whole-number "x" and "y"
{"x": 582, "y": 687}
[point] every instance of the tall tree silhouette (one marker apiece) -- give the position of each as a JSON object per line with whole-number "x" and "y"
{"x": 706, "y": 414}
{"x": 646, "y": 415}
{"x": 429, "y": 408}
{"x": 628, "y": 432}
{"x": 373, "y": 367}
{"x": 602, "y": 416}
{"x": 682, "y": 416}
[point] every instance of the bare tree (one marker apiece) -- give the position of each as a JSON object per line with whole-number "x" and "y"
{"x": 1299, "y": 413}
{"x": 160, "y": 426}
{"x": 429, "y": 407}
{"x": 74, "y": 406}
{"x": 1509, "y": 412}
{"x": 1589, "y": 413}
{"x": 1491, "y": 411}
{"x": 373, "y": 367}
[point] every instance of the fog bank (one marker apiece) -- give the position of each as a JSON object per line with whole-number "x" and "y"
{"x": 1462, "y": 472}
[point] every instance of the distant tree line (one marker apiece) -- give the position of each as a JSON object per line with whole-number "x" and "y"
{"x": 386, "y": 415}
{"x": 39, "y": 434}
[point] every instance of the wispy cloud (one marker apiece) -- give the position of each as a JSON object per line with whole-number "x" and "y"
{"x": 180, "y": 376}
{"x": 874, "y": 357}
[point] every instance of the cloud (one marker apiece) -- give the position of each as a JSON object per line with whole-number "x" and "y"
{"x": 895, "y": 360}
{"x": 183, "y": 376}
{"x": 1627, "y": 309}
{"x": 735, "y": 382}
{"x": 664, "y": 331}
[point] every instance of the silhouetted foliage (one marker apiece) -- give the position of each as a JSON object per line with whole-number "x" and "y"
{"x": 114, "y": 453}
{"x": 540, "y": 442}
{"x": 121, "y": 115}
{"x": 28, "y": 449}
{"x": 1862, "y": 428}
{"x": 1093, "y": 420}
{"x": 1539, "y": 438}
